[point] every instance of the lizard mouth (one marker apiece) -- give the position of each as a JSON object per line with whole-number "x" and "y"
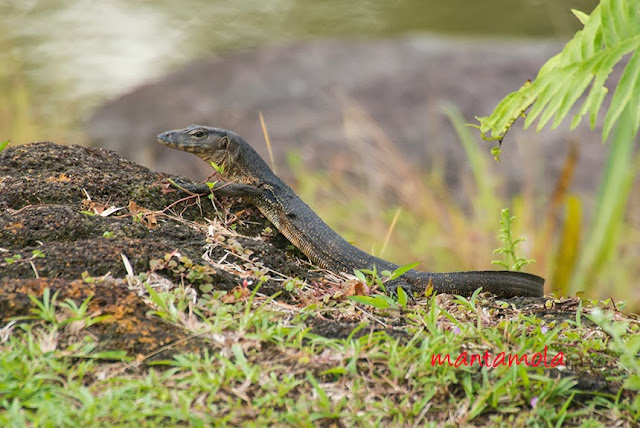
{"x": 168, "y": 139}
{"x": 165, "y": 139}
{"x": 173, "y": 140}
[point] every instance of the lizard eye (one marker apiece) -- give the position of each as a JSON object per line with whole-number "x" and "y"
{"x": 197, "y": 134}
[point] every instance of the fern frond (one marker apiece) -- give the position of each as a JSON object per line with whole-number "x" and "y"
{"x": 611, "y": 32}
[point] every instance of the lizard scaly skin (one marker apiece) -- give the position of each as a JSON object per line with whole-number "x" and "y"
{"x": 251, "y": 178}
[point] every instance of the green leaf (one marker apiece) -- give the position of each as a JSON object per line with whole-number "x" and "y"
{"x": 334, "y": 371}
{"x": 37, "y": 253}
{"x": 402, "y": 269}
{"x": 548, "y": 100}
{"x": 218, "y": 168}
{"x": 613, "y": 22}
{"x": 628, "y": 89}
{"x": 583, "y": 17}
{"x": 402, "y": 297}
{"x": 511, "y": 260}
{"x": 633, "y": 344}
{"x": 575, "y": 90}
{"x": 360, "y": 276}
{"x": 4, "y": 144}
{"x": 610, "y": 32}
{"x": 379, "y": 301}
{"x": 633, "y": 383}
{"x": 496, "y": 152}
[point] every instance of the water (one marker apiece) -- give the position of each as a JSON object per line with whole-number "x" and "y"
{"x": 61, "y": 58}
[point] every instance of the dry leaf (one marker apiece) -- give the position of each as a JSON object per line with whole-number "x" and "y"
{"x": 356, "y": 288}
{"x": 147, "y": 218}
{"x": 238, "y": 294}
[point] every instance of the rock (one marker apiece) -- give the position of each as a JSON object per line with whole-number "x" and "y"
{"x": 343, "y": 103}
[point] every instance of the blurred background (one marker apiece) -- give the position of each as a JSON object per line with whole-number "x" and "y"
{"x": 365, "y": 103}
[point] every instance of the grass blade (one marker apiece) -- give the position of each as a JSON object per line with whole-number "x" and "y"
{"x": 567, "y": 253}
{"x": 611, "y": 202}
{"x": 402, "y": 269}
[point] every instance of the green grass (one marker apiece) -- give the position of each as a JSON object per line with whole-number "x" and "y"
{"x": 265, "y": 367}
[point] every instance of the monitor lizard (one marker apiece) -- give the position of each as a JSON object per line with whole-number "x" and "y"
{"x": 250, "y": 177}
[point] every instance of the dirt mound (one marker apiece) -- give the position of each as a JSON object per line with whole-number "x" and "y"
{"x": 69, "y": 214}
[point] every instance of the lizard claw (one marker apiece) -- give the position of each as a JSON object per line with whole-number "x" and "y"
{"x": 392, "y": 289}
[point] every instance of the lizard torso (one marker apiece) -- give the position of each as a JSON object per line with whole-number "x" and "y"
{"x": 253, "y": 179}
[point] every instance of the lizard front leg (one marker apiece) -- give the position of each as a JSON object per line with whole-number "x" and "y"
{"x": 219, "y": 189}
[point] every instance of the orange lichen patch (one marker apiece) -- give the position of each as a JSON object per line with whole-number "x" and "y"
{"x": 15, "y": 225}
{"x": 238, "y": 294}
{"x": 127, "y": 326}
{"x": 63, "y": 178}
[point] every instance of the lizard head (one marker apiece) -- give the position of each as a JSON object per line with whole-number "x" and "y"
{"x": 213, "y": 145}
